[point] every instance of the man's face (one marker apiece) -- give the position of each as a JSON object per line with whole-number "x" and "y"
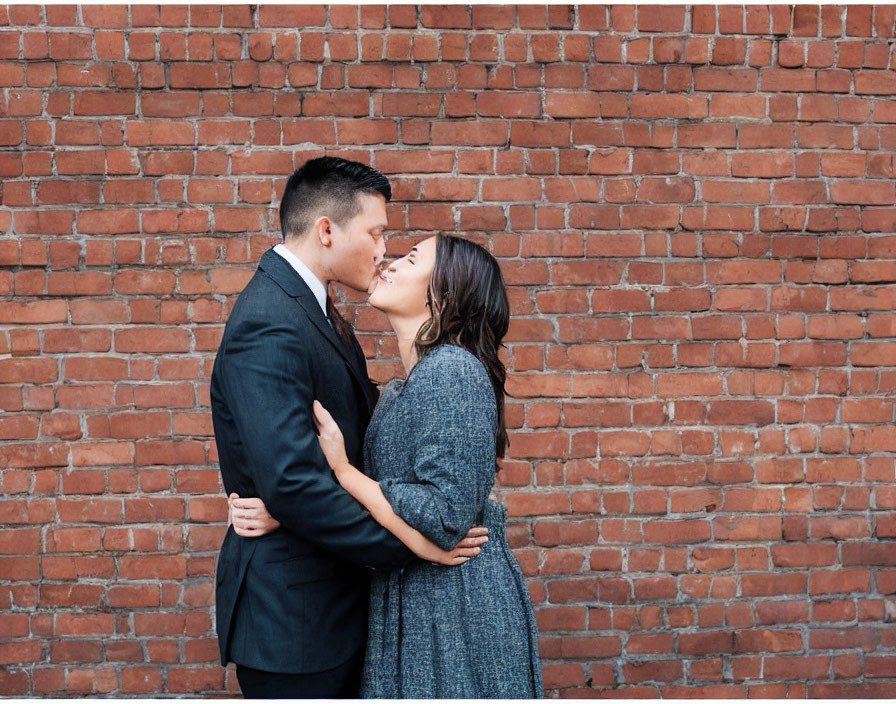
{"x": 359, "y": 244}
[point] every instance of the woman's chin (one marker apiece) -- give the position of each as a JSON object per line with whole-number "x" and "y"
{"x": 374, "y": 300}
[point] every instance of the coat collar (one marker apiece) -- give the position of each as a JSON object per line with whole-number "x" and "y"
{"x": 278, "y": 269}
{"x": 287, "y": 278}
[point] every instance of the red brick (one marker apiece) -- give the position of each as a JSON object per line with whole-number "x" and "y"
{"x": 706, "y": 643}
{"x": 661, "y": 18}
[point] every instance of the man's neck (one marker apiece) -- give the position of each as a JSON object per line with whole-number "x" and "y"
{"x": 303, "y": 248}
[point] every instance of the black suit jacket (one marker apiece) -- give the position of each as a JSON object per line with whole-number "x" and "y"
{"x": 294, "y": 600}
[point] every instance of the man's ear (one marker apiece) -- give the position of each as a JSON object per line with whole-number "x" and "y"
{"x": 323, "y": 231}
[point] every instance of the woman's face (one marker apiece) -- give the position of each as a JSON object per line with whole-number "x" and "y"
{"x": 402, "y": 286}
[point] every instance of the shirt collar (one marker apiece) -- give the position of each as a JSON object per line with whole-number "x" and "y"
{"x": 316, "y": 285}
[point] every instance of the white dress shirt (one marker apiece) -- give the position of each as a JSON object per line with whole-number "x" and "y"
{"x": 315, "y": 284}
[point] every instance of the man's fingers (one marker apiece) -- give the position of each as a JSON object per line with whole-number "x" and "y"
{"x": 472, "y": 542}
{"x": 469, "y": 552}
{"x": 476, "y": 531}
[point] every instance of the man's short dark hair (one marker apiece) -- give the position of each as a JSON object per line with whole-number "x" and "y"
{"x": 327, "y": 186}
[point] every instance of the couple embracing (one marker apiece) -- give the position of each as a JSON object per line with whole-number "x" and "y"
{"x": 365, "y": 558}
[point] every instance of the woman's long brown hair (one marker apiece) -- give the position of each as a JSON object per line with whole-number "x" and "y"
{"x": 469, "y": 308}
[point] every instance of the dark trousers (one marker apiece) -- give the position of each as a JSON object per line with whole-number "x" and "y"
{"x": 340, "y": 682}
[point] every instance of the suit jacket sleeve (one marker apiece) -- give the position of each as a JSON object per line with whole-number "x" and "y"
{"x": 453, "y": 443}
{"x": 266, "y": 374}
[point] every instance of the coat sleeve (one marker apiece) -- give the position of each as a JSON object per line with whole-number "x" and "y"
{"x": 453, "y": 443}
{"x": 265, "y": 370}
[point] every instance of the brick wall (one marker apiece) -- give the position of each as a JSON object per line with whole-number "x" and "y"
{"x": 693, "y": 207}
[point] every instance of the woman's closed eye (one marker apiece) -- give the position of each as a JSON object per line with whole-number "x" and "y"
{"x": 409, "y": 258}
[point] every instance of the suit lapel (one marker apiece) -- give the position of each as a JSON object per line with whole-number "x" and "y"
{"x": 278, "y": 269}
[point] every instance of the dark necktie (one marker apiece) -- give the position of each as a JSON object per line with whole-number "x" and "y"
{"x": 342, "y": 328}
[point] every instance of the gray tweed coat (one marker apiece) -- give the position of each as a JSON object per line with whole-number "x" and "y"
{"x": 446, "y": 632}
